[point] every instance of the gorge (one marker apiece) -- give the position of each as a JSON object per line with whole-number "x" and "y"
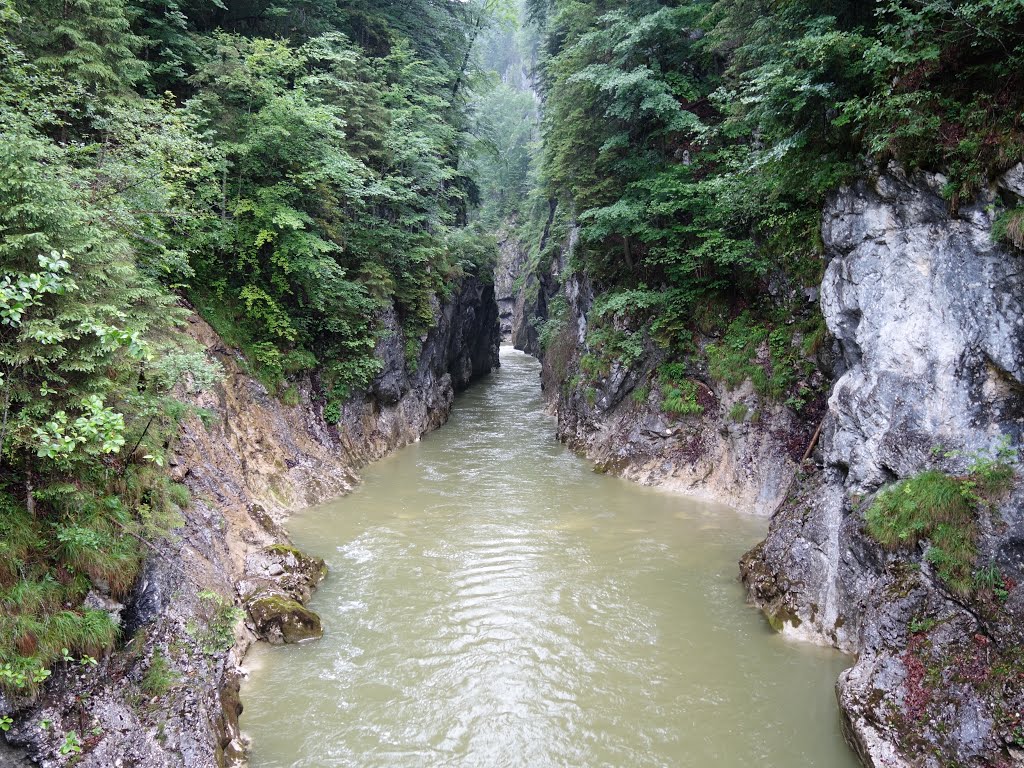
{"x": 767, "y": 256}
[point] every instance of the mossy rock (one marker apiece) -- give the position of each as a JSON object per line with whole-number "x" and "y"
{"x": 280, "y": 620}
{"x": 296, "y": 562}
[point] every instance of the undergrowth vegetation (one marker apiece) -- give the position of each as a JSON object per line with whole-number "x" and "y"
{"x": 943, "y": 510}
{"x": 679, "y": 394}
{"x": 289, "y": 170}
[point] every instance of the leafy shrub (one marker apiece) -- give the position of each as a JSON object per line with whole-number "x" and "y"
{"x": 413, "y": 347}
{"x": 290, "y": 396}
{"x": 609, "y": 345}
{"x": 298, "y": 360}
{"x": 641, "y": 395}
{"x": 332, "y": 412}
{"x": 679, "y": 394}
{"x": 749, "y": 351}
{"x": 345, "y": 376}
{"x": 557, "y": 319}
{"x": 214, "y": 628}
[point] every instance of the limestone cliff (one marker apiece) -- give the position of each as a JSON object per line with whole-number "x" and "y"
{"x": 928, "y": 319}
{"x": 169, "y": 696}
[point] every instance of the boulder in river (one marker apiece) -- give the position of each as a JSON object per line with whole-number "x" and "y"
{"x": 279, "y": 619}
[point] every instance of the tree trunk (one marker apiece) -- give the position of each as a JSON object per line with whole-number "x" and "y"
{"x": 30, "y": 502}
{"x": 469, "y": 52}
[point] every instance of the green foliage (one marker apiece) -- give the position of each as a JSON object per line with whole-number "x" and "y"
{"x": 679, "y": 394}
{"x": 473, "y": 251}
{"x": 945, "y": 86}
{"x": 943, "y": 510}
{"x": 290, "y": 397}
{"x": 555, "y": 323}
{"x": 930, "y": 506}
{"x": 214, "y": 628}
{"x": 501, "y": 154}
{"x": 989, "y": 580}
{"x": 1009, "y": 227}
{"x": 87, "y": 359}
{"x": 610, "y": 344}
{"x": 160, "y": 677}
{"x": 332, "y": 412}
{"x": 750, "y": 351}
{"x": 922, "y": 625}
{"x": 990, "y": 472}
{"x": 696, "y": 141}
{"x": 618, "y": 323}
{"x": 738, "y": 412}
{"x": 72, "y": 744}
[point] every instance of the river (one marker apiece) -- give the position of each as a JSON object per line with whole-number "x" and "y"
{"x": 492, "y": 601}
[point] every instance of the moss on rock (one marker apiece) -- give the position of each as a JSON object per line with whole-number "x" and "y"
{"x": 296, "y": 562}
{"x": 279, "y": 619}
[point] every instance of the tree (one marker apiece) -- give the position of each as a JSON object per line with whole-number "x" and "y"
{"x": 87, "y": 42}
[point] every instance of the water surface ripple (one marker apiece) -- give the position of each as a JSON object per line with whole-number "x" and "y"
{"x": 494, "y": 602}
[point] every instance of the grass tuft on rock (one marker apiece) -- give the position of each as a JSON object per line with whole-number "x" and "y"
{"x": 943, "y": 510}
{"x": 936, "y": 507}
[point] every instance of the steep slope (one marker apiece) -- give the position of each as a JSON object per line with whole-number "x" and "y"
{"x": 169, "y": 697}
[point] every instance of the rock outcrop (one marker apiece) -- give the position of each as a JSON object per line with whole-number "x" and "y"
{"x": 169, "y": 696}
{"x": 511, "y": 261}
{"x": 742, "y": 449}
{"x": 928, "y": 318}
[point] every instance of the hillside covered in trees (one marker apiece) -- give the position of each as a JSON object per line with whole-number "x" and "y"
{"x": 694, "y": 144}
{"x": 287, "y": 169}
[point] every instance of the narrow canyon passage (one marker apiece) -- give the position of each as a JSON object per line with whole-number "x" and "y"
{"x": 494, "y": 602}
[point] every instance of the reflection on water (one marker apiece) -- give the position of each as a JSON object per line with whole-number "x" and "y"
{"x": 494, "y": 602}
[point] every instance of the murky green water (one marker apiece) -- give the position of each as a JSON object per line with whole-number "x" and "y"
{"x": 494, "y": 602}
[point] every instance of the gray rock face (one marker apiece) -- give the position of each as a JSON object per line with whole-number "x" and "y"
{"x": 928, "y": 315}
{"x": 511, "y": 261}
{"x": 531, "y": 303}
{"x": 465, "y": 342}
{"x": 460, "y": 348}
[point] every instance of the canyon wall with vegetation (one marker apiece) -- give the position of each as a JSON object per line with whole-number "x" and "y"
{"x": 767, "y": 252}
{"x": 227, "y": 574}
{"x": 902, "y": 548}
{"x": 235, "y": 265}
{"x": 775, "y": 263}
